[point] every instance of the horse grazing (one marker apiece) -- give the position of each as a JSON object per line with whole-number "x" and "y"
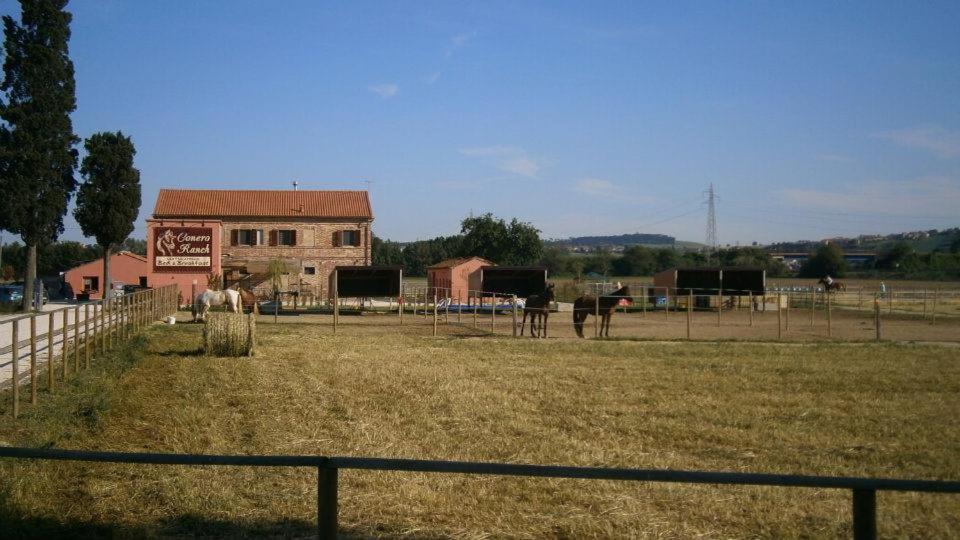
{"x": 538, "y": 306}
{"x": 836, "y": 286}
{"x": 203, "y": 301}
{"x": 587, "y": 305}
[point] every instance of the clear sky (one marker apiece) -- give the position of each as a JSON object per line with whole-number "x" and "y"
{"x": 812, "y": 119}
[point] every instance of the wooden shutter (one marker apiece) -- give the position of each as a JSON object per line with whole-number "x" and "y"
{"x": 337, "y": 238}
{"x": 234, "y": 237}
{"x": 356, "y": 238}
{"x": 293, "y": 237}
{"x": 274, "y": 234}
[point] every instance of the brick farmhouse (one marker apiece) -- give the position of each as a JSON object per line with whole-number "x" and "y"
{"x": 238, "y": 233}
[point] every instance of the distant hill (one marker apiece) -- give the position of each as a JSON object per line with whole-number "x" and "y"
{"x": 622, "y": 240}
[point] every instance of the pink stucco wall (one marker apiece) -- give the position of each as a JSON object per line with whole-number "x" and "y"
{"x": 125, "y": 268}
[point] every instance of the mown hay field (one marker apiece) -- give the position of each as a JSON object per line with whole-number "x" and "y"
{"x": 820, "y": 408}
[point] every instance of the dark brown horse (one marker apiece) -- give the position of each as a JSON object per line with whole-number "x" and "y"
{"x": 836, "y": 286}
{"x": 538, "y": 306}
{"x": 604, "y": 306}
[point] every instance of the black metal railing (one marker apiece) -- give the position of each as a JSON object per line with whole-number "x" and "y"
{"x": 864, "y": 490}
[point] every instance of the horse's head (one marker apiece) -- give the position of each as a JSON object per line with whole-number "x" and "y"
{"x": 548, "y": 292}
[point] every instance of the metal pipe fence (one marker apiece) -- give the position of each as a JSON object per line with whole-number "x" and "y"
{"x": 863, "y": 490}
{"x": 51, "y": 339}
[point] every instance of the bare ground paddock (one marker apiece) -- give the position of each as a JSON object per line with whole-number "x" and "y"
{"x": 846, "y": 324}
{"x": 815, "y": 408}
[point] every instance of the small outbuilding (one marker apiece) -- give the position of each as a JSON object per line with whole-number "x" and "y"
{"x": 125, "y": 268}
{"x": 707, "y": 283}
{"x": 460, "y": 276}
{"x": 522, "y": 281}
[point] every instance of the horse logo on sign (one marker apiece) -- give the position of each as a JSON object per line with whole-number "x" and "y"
{"x": 183, "y": 249}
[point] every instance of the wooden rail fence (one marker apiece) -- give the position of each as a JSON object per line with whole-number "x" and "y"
{"x": 84, "y": 331}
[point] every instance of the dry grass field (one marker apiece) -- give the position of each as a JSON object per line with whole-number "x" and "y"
{"x": 817, "y": 408}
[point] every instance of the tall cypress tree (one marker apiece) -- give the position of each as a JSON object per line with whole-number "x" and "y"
{"x": 109, "y": 198}
{"x": 37, "y": 158}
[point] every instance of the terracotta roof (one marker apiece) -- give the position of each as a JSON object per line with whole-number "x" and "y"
{"x": 450, "y": 263}
{"x": 214, "y": 203}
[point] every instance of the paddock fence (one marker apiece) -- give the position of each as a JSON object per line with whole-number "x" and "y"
{"x": 863, "y": 490}
{"x": 787, "y": 313}
{"x": 60, "y": 343}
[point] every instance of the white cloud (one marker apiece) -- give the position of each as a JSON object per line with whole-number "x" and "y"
{"x": 507, "y": 158}
{"x": 432, "y": 78}
{"x": 457, "y": 42}
{"x": 596, "y": 187}
{"x": 935, "y": 139}
{"x": 387, "y": 90}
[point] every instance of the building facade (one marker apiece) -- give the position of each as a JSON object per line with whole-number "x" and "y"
{"x": 238, "y": 234}
{"x": 461, "y": 277}
{"x": 125, "y": 269}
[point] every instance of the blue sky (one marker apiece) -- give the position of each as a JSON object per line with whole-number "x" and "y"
{"x": 811, "y": 119}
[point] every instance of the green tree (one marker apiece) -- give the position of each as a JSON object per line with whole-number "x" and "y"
{"x": 636, "y": 261}
{"x": 385, "y": 252}
{"x": 556, "y": 260}
{"x": 493, "y": 239}
{"x": 109, "y": 198}
{"x": 135, "y": 245}
{"x": 37, "y": 158}
{"x": 62, "y": 256}
{"x": 826, "y": 260}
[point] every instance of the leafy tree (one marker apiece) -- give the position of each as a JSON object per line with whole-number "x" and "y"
{"x": 955, "y": 245}
{"x": 493, "y": 239}
{"x": 636, "y": 261}
{"x": 826, "y": 260}
{"x": 556, "y": 260}
{"x": 109, "y": 198}
{"x": 385, "y": 252}
{"x": 62, "y": 256}
{"x": 135, "y": 245}
{"x": 37, "y": 158}
{"x": 900, "y": 256}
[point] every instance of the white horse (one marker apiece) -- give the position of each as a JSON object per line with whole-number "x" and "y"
{"x": 203, "y": 301}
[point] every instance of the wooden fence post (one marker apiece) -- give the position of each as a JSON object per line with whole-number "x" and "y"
{"x": 924, "y": 294}
{"x": 434, "y": 313}
{"x": 50, "y": 324}
{"x": 786, "y": 316}
{"x": 890, "y": 302}
{"x": 860, "y": 298}
{"x": 750, "y": 300}
{"x": 719, "y": 306}
{"x": 446, "y": 311}
{"x": 15, "y": 361}
{"x": 493, "y": 313}
{"x": 936, "y": 297}
{"x": 596, "y": 314}
{"x": 779, "y": 319}
{"x": 336, "y": 302}
{"x": 813, "y": 305}
{"x": 829, "y": 318}
{"x": 33, "y": 359}
{"x": 689, "y": 310}
{"x": 63, "y": 347}
{"x": 76, "y": 341}
{"x": 86, "y": 337}
{"x": 514, "y": 301}
{"x": 643, "y": 301}
{"x": 459, "y": 308}
{"x": 666, "y": 306}
{"x": 876, "y": 317}
{"x": 476, "y": 302}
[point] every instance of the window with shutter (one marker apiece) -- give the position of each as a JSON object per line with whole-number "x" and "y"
{"x": 336, "y": 239}
{"x": 273, "y": 237}
{"x": 234, "y": 237}
{"x": 286, "y": 238}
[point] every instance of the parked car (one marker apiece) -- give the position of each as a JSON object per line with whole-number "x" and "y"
{"x": 17, "y": 292}
{"x": 127, "y": 289}
{"x": 11, "y": 294}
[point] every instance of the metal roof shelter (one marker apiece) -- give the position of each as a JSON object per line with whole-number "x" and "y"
{"x": 711, "y": 280}
{"x": 367, "y": 281}
{"x": 522, "y": 281}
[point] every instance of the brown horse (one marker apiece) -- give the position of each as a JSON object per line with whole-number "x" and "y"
{"x": 248, "y": 300}
{"x": 538, "y": 306}
{"x": 836, "y": 286}
{"x": 604, "y": 306}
